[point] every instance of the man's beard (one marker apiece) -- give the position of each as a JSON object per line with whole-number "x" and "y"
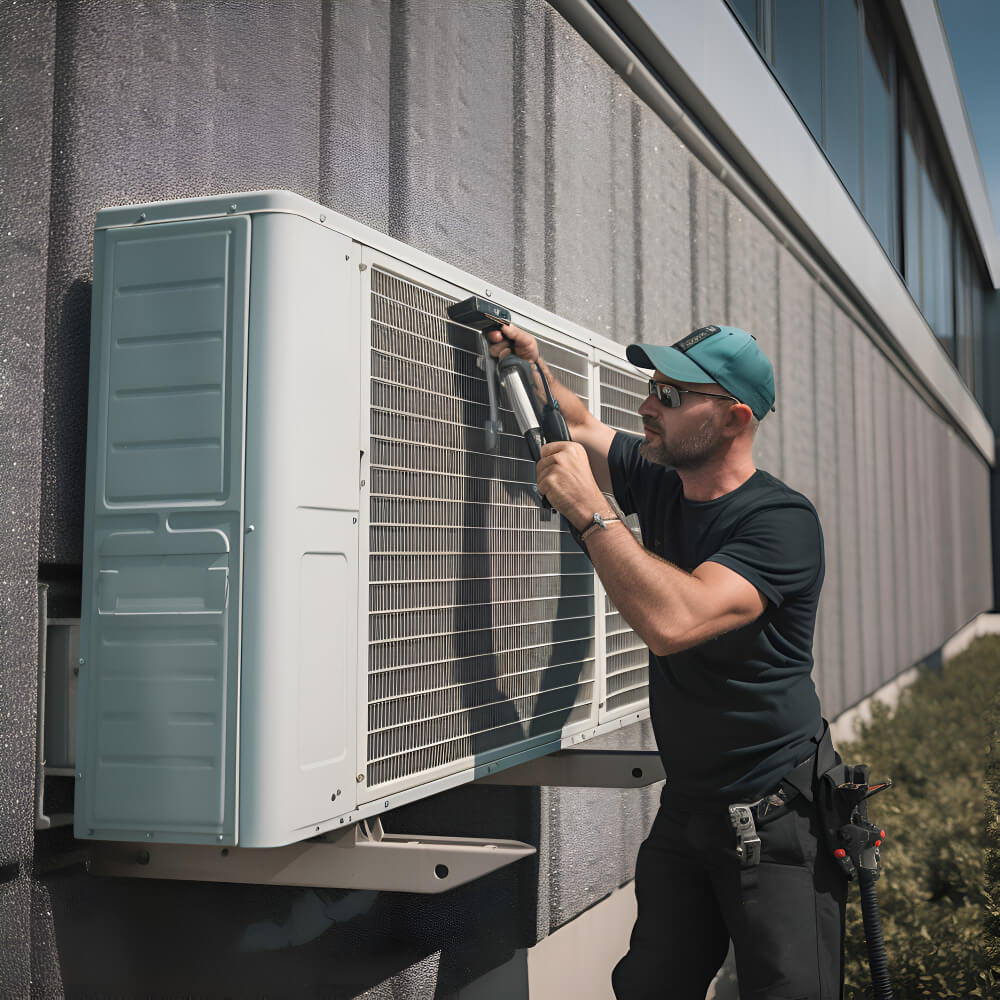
{"x": 687, "y": 453}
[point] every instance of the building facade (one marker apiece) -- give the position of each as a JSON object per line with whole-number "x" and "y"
{"x": 801, "y": 170}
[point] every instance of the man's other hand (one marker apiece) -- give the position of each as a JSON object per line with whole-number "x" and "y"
{"x": 502, "y": 340}
{"x": 566, "y": 481}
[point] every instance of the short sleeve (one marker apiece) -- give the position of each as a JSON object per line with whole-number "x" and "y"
{"x": 625, "y": 465}
{"x": 779, "y": 550}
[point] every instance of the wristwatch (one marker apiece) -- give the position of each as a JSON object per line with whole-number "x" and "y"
{"x": 601, "y": 521}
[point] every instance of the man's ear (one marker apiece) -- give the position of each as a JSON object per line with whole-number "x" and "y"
{"x": 739, "y": 418}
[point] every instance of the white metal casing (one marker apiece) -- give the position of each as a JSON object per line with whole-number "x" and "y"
{"x": 291, "y": 704}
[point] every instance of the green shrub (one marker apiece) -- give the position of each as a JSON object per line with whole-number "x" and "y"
{"x": 934, "y": 899}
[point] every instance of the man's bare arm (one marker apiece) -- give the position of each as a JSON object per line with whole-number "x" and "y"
{"x": 669, "y": 608}
{"x": 583, "y": 426}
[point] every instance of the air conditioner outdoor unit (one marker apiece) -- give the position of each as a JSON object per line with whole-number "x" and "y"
{"x": 310, "y": 595}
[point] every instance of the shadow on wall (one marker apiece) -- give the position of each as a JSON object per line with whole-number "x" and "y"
{"x": 64, "y": 432}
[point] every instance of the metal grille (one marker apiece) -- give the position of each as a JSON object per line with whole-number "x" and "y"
{"x": 627, "y": 658}
{"x": 481, "y": 614}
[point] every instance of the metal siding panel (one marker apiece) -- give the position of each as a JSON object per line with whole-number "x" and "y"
{"x": 917, "y": 540}
{"x": 901, "y": 579}
{"x": 622, "y": 155}
{"x": 760, "y": 294}
{"x": 796, "y": 362}
{"x": 663, "y": 225}
{"x": 956, "y": 517}
{"x": 863, "y": 473}
{"x": 830, "y": 621}
{"x": 451, "y": 176}
{"x": 355, "y": 107}
{"x": 532, "y": 133}
{"x": 583, "y": 236}
{"x": 847, "y": 509}
{"x": 884, "y": 523}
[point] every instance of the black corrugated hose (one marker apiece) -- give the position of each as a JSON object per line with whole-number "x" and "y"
{"x": 873, "y": 936}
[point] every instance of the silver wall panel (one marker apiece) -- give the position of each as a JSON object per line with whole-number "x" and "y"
{"x": 884, "y": 518}
{"x": 662, "y": 262}
{"x": 847, "y": 537}
{"x": 902, "y": 515}
{"x": 753, "y": 306}
{"x": 355, "y": 104}
{"x": 708, "y": 199}
{"x": 443, "y": 78}
{"x": 530, "y": 215}
{"x": 796, "y": 394}
{"x": 830, "y": 621}
{"x": 863, "y": 474}
{"x": 581, "y": 178}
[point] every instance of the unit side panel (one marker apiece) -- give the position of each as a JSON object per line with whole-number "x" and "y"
{"x": 163, "y": 535}
{"x": 481, "y": 611}
{"x": 626, "y": 672}
{"x": 300, "y": 650}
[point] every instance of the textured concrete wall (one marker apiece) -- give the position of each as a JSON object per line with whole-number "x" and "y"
{"x": 493, "y": 137}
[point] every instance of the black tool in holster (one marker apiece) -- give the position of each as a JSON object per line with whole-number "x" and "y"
{"x": 854, "y": 841}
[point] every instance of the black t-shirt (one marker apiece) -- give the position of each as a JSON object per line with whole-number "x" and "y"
{"x": 735, "y": 714}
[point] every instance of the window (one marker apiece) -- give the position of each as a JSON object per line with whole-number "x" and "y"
{"x": 797, "y": 44}
{"x": 842, "y": 87}
{"x": 836, "y": 60}
{"x": 879, "y": 130}
{"x": 746, "y": 10}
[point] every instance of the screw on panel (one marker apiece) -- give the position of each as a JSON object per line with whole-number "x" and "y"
{"x": 362, "y": 482}
{"x": 322, "y": 218}
{"x": 354, "y": 520}
{"x": 142, "y": 858}
{"x": 149, "y": 836}
{"x": 79, "y": 775}
{"x": 225, "y": 852}
{"x": 220, "y": 836}
{"x": 489, "y": 292}
{"x": 232, "y": 208}
{"x": 362, "y": 267}
{"x": 361, "y": 778}
{"x": 251, "y": 528}
{"x": 142, "y": 217}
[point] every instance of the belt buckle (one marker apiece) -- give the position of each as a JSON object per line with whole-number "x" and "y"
{"x": 747, "y": 841}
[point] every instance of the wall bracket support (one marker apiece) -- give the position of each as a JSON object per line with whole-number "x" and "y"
{"x": 362, "y": 856}
{"x": 584, "y": 768}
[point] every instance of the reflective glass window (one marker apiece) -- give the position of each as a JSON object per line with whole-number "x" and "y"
{"x": 913, "y": 145}
{"x": 746, "y": 11}
{"x": 879, "y": 136}
{"x": 798, "y": 48}
{"x": 842, "y": 133}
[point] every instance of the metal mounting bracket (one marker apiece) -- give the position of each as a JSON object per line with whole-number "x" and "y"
{"x": 585, "y": 768}
{"x": 362, "y": 856}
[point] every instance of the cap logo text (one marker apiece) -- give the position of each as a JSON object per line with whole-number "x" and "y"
{"x": 697, "y": 337}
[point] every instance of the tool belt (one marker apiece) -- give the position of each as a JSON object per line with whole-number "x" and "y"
{"x": 816, "y": 773}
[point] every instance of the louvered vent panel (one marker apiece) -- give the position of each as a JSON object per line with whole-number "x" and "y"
{"x": 481, "y": 614}
{"x": 626, "y": 672}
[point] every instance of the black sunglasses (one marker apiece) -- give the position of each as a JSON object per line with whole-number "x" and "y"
{"x": 670, "y": 395}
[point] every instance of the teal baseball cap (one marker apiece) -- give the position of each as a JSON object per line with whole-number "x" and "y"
{"x": 722, "y": 354}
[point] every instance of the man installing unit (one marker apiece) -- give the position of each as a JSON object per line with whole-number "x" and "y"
{"x": 723, "y": 589}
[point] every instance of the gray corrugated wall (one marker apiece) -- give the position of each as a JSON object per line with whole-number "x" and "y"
{"x": 494, "y": 137}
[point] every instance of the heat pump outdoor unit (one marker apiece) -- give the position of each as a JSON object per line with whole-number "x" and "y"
{"x": 309, "y": 592}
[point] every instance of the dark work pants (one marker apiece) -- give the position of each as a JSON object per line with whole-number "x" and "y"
{"x": 787, "y": 929}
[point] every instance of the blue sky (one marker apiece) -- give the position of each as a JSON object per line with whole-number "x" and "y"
{"x": 973, "y": 28}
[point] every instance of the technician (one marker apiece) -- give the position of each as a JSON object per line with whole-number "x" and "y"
{"x": 723, "y": 590}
